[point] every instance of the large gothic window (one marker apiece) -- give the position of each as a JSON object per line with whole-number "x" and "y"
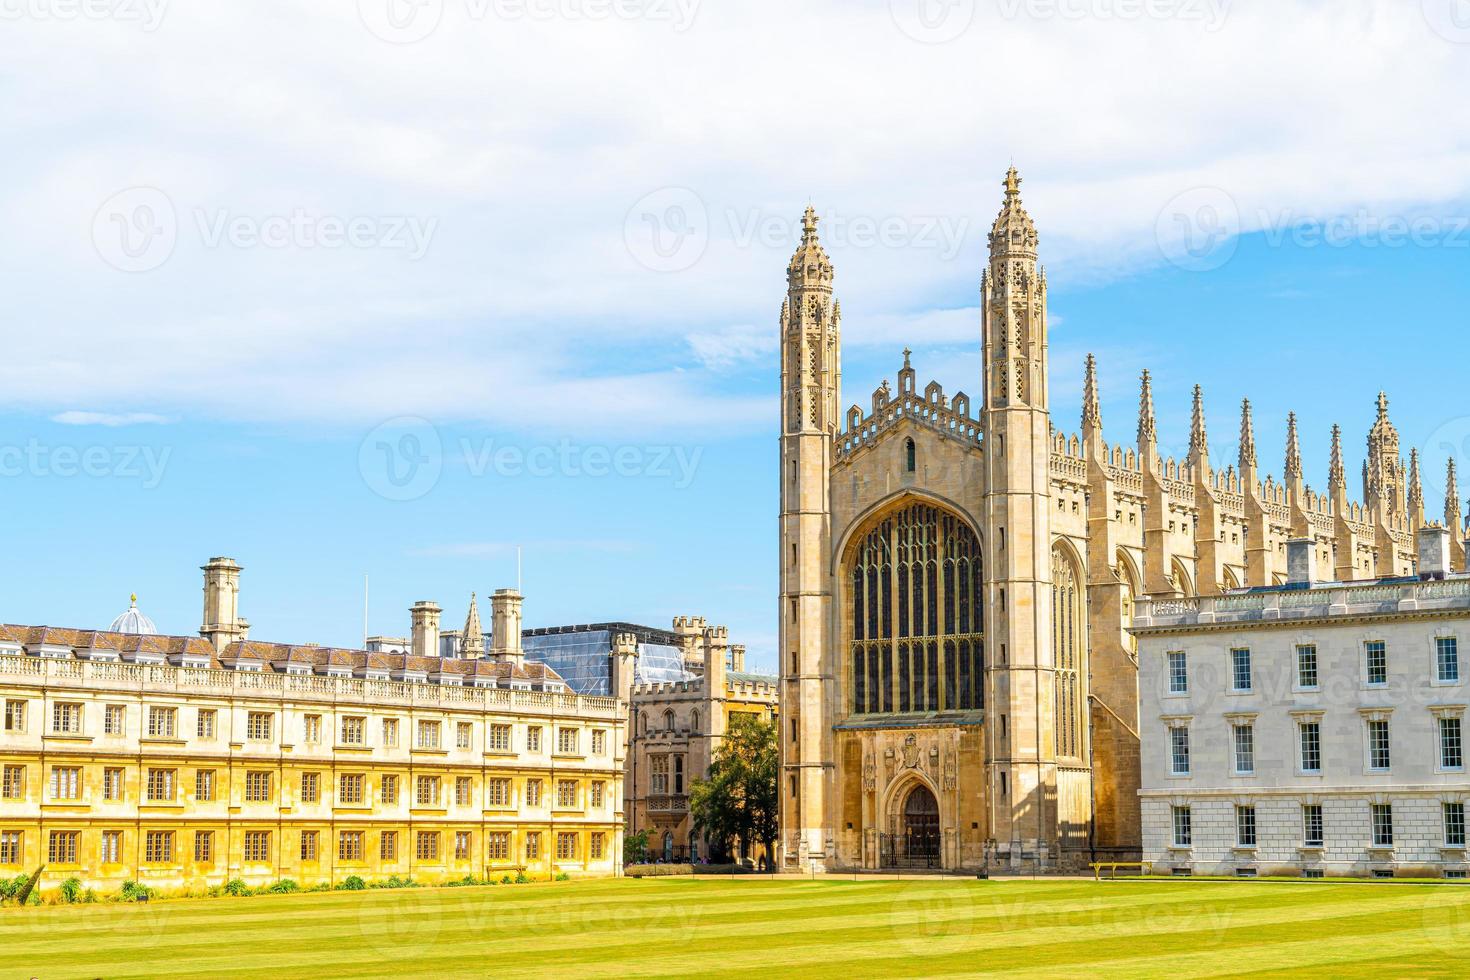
{"x": 1069, "y": 632}
{"x": 914, "y": 594}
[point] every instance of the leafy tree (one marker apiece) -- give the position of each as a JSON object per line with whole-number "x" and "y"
{"x": 635, "y": 847}
{"x": 738, "y": 799}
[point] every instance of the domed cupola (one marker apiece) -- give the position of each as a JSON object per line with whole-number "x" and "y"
{"x": 133, "y": 621}
{"x": 1013, "y": 232}
{"x": 810, "y": 265}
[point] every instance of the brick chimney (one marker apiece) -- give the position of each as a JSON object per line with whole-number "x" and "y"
{"x": 425, "y": 641}
{"x": 505, "y": 625}
{"x": 1434, "y": 551}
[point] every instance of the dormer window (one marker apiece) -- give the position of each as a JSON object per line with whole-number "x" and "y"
{"x": 298, "y": 670}
{"x": 55, "y": 653}
{"x": 249, "y": 666}
{"x": 377, "y": 675}
{"x": 198, "y": 663}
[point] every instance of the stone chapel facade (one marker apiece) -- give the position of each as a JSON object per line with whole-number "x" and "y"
{"x": 959, "y": 689}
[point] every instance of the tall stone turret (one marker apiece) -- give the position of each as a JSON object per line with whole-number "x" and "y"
{"x": 1021, "y": 672}
{"x": 811, "y": 383}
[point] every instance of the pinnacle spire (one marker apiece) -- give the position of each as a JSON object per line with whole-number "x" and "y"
{"x": 1247, "y": 436}
{"x": 1451, "y": 497}
{"x": 1198, "y": 443}
{"x": 472, "y": 642}
{"x": 1336, "y": 478}
{"x": 1091, "y": 408}
{"x": 1148, "y": 430}
{"x": 1293, "y": 450}
{"x": 1416, "y": 488}
{"x": 1382, "y": 406}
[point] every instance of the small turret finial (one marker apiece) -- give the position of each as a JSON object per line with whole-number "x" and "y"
{"x": 1293, "y": 450}
{"x": 1247, "y": 436}
{"x": 1012, "y": 184}
{"x": 1198, "y": 443}
{"x": 1451, "y": 495}
{"x": 1091, "y": 405}
{"x": 1147, "y": 424}
{"x": 1336, "y": 477}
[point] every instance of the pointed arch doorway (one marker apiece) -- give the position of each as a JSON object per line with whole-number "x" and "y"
{"x": 921, "y": 826}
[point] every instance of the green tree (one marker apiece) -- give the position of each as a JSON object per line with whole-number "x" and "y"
{"x": 738, "y": 799}
{"x": 635, "y": 847}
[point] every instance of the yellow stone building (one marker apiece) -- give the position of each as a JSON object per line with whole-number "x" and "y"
{"x": 184, "y": 762}
{"x": 959, "y": 688}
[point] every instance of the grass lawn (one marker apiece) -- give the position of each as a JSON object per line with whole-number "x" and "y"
{"x": 764, "y": 928}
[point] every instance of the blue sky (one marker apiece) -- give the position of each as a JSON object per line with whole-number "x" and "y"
{"x": 248, "y": 253}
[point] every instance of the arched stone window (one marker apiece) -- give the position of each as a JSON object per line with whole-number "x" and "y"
{"x": 694, "y": 722}
{"x": 910, "y": 455}
{"x": 668, "y": 721}
{"x": 914, "y": 596}
{"x": 1069, "y": 638}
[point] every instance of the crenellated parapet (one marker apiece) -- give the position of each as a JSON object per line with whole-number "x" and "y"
{"x": 950, "y": 417}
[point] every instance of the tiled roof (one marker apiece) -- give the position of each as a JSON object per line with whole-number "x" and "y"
{"x": 276, "y": 657}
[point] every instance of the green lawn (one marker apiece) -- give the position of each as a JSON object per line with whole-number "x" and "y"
{"x": 763, "y": 928}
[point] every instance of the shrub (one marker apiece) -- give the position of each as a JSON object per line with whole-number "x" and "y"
{"x": 134, "y": 892}
{"x": 352, "y": 883}
{"x": 283, "y": 887}
{"x": 10, "y": 887}
{"x": 563, "y": 876}
{"x": 465, "y": 882}
{"x": 521, "y": 878}
{"x": 657, "y": 870}
{"x": 505, "y": 879}
{"x": 237, "y": 888}
{"x": 320, "y": 886}
{"x": 89, "y": 897}
{"x": 71, "y": 890}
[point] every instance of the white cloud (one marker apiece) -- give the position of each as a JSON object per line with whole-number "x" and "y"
{"x": 731, "y": 345}
{"x": 110, "y": 419}
{"x": 529, "y": 140}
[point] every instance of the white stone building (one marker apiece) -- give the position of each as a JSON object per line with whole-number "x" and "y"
{"x": 1312, "y": 728}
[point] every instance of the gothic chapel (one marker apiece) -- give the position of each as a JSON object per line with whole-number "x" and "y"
{"x": 958, "y": 686}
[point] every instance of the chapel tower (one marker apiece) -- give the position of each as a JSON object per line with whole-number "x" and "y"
{"x": 811, "y": 381}
{"x": 1024, "y": 683}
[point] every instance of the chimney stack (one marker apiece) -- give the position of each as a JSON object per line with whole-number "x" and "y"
{"x": 505, "y": 624}
{"x": 425, "y": 641}
{"x": 1434, "y": 552}
{"x": 1301, "y": 561}
{"x": 222, "y": 623}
